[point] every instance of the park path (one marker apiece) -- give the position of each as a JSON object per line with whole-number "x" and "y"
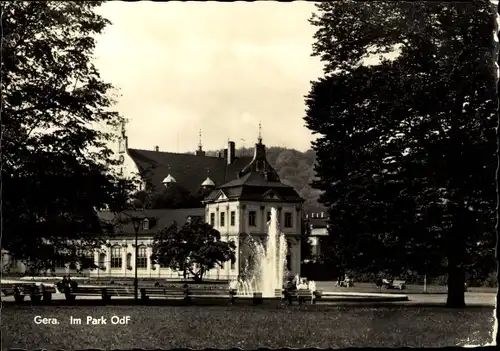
{"x": 471, "y": 299}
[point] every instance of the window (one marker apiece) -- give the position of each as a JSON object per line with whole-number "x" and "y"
{"x": 102, "y": 260}
{"x": 233, "y": 218}
{"x": 129, "y": 261}
{"x": 268, "y": 216}
{"x": 116, "y": 257}
{"x": 212, "y": 219}
{"x": 288, "y": 220}
{"x": 145, "y": 224}
{"x": 288, "y": 255}
{"x": 288, "y": 261}
{"x": 142, "y": 258}
{"x": 233, "y": 264}
{"x": 251, "y": 218}
{"x": 222, "y": 219}
{"x": 87, "y": 259}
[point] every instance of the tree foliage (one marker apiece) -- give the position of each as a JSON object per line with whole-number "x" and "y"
{"x": 405, "y": 154}
{"x": 57, "y": 123}
{"x": 194, "y": 248}
{"x": 175, "y": 196}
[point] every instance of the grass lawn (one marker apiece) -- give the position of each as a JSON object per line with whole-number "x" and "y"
{"x": 245, "y": 327}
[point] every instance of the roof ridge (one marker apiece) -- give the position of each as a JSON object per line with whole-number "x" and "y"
{"x": 174, "y": 153}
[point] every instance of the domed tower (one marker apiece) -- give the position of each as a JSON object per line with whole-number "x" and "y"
{"x": 168, "y": 180}
{"x": 208, "y": 184}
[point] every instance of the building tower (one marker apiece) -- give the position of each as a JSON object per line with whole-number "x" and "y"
{"x": 241, "y": 208}
{"x": 200, "y": 151}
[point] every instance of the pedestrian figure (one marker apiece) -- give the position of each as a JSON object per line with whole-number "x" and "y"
{"x": 64, "y": 282}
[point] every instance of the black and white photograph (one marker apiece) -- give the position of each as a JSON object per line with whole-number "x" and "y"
{"x": 249, "y": 175}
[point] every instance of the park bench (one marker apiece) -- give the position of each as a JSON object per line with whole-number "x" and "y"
{"x": 304, "y": 295}
{"x": 174, "y": 293}
{"x": 119, "y": 291}
{"x": 278, "y": 294}
{"x": 35, "y": 292}
{"x": 318, "y": 294}
{"x": 104, "y": 292}
{"x": 395, "y": 284}
{"x": 7, "y": 289}
{"x": 347, "y": 283}
{"x": 399, "y": 284}
{"x": 72, "y": 292}
{"x": 203, "y": 293}
{"x": 301, "y": 295}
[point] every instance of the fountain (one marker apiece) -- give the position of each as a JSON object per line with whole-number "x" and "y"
{"x": 269, "y": 262}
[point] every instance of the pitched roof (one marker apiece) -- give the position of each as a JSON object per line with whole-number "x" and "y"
{"x": 253, "y": 179}
{"x": 254, "y": 187}
{"x": 159, "y": 219}
{"x": 258, "y": 181}
{"x": 188, "y": 170}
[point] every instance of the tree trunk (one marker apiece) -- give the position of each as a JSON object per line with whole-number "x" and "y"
{"x": 456, "y": 291}
{"x": 456, "y": 257}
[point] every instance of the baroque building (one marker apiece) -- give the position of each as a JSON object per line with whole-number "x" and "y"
{"x": 242, "y": 207}
{"x": 237, "y": 208}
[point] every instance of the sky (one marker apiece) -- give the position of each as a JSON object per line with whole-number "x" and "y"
{"x": 219, "y": 67}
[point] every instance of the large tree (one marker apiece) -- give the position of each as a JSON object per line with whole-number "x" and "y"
{"x": 173, "y": 197}
{"x": 57, "y": 125}
{"x": 194, "y": 248}
{"x": 405, "y": 155}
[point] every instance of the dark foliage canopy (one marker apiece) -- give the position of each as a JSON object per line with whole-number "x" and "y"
{"x": 405, "y": 153}
{"x": 194, "y": 248}
{"x": 57, "y": 123}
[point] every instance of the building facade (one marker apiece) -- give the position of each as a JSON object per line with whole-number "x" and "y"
{"x": 243, "y": 192}
{"x": 242, "y": 208}
{"x": 237, "y": 209}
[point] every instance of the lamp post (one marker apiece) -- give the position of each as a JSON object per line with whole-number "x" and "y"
{"x": 136, "y": 221}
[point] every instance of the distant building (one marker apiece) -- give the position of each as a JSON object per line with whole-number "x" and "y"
{"x": 317, "y": 220}
{"x": 194, "y": 172}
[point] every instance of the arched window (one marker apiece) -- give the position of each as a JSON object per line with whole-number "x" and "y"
{"x": 116, "y": 256}
{"x": 87, "y": 259}
{"x": 142, "y": 257}
{"x": 102, "y": 260}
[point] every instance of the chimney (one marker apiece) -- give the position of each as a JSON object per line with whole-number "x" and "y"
{"x": 231, "y": 152}
{"x": 225, "y": 154}
{"x": 157, "y": 148}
